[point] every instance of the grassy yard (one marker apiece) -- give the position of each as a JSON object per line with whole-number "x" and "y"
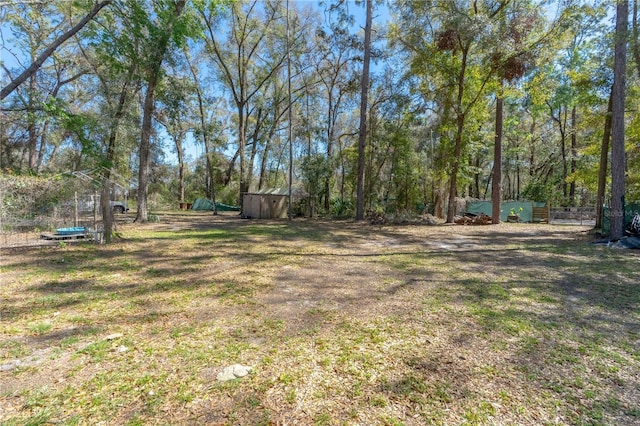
{"x": 342, "y": 323}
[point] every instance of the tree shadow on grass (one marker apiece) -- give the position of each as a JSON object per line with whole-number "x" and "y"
{"x": 325, "y": 274}
{"x": 557, "y": 330}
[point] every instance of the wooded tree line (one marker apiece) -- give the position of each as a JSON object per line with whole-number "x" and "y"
{"x": 507, "y": 99}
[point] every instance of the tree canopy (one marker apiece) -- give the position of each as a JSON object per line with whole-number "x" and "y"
{"x": 507, "y": 98}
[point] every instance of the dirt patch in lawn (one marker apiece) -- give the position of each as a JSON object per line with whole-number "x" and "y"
{"x": 342, "y": 323}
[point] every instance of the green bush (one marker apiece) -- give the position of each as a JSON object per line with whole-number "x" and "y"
{"x": 31, "y": 196}
{"x": 342, "y": 208}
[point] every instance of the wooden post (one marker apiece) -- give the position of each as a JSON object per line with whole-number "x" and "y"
{"x": 75, "y": 208}
{"x": 95, "y": 209}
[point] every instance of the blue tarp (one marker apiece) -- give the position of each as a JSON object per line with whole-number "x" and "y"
{"x": 71, "y": 231}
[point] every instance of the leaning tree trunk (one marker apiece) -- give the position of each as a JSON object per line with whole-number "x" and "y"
{"x": 35, "y": 66}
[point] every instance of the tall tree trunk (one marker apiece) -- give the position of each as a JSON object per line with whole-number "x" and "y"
{"x": 342, "y": 160}
{"x": 363, "y": 112}
{"x": 242, "y": 142}
{"x": 211, "y": 189}
{"x": 518, "y": 181}
{"x": 327, "y": 181}
{"x": 496, "y": 182}
{"x": 107, "y": 212}
{"x": 263, "y": 164}
{"x": 562, "y": 122}
{"x": 373, "y": 179}
{"x": 4, "y": 143}
{"x": 604, "y": 161}
{"x": 255, "y": 137}
{"x": 180, "y": 152}
{"x": 635, "y": 39}
{"x": 265, "y": 153}
{"x": 290, "y": 120}
{"x": 532, "y": 148}
{"x": 107, "y": 222}
{"x": 457, "y": 149}
{"x": 153, "y": 77}
{"x": 574, "y": 154}
{"x": 438, "y": 203}
{"x": 617, "y": 123}
{"x": 476, "y": 179}
{"x": 43, "y": 145}
{"x": 205, "y": 135}
{"x": 330, "y": 136}
{"x": 31, "y": 129}
{"x": 145, "y": 151}
{"x": 453, "y": 182}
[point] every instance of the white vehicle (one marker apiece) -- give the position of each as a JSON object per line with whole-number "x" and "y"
{"x": 87, "y": 204}
{"x": 118, "y": 206}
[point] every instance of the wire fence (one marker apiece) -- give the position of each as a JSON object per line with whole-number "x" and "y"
{"x": 577, "y": 215}
{"x": 32, "y": 209}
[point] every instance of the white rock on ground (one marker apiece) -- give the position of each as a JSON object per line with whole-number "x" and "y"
{"x": 234, "y": 371}
{"x": 113, "y": 336}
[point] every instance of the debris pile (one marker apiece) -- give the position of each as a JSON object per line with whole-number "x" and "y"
{"x": 376, "y": 217}
{"x": 429, "y": 219}
{"x": 631, "y": 239}
{"x": 472, "y": 219}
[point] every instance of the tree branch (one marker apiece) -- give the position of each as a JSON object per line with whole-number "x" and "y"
{"x": 7, "y": 90}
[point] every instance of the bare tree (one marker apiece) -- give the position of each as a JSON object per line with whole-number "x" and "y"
{"x": 241, "y": 59}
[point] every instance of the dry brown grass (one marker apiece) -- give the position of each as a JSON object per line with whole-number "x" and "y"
{"x": 343, "y": 323}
